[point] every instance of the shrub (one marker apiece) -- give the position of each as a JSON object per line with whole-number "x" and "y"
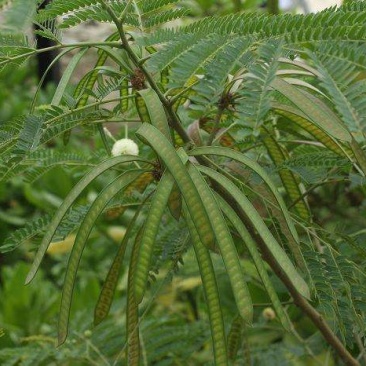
{"x": 240, "y": 119}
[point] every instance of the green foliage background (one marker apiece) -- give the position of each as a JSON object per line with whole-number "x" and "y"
{"x": 216, "y": 253}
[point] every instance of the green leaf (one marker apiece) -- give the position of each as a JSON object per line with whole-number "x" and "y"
{"x": 28, "y": 231}
{"x": 256, "y": 91}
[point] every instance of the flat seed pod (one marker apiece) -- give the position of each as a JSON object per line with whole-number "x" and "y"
{"x": 289, "y": 180}
{"x": 175, "y": 202}
{"x": 124, "y": 92}
{"x": 149, "y": 234}
{"x": 301, "y": 120}
{"x": 235, "y": 336}
{"x": 156, "y": 111}
{"x": 132, "y": 316}
{"x": 110, "y": 284}
{"x": 67, "y": 203}
{"x": 359, "y": 154}
{"x": 258, "y": 261}
{"x": 173, "y": 162}
{"x": 271, "y": 243}
{"x": 235, "y": 155}
{"x": 142, "y": 109}
{"x": 80, "y": 241}
{"x": 226, "y": 246}
{"x": 314, "y": 112}
{"x": 211, "y": 293}
{"x": 88, "y": 82}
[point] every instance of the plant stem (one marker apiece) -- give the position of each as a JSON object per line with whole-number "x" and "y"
{"x": 216, "y": 126}
{"x": 361, "y": 347}
{"x": 104, "y": 139}
{"x": 301, "y": 302}
{"x": 273, "y": 7}
{"x": 298, "y": 299}
{"x": 237, "y": 5}
{"x": 174, "y": 120}
{"x": 56, "y": 47}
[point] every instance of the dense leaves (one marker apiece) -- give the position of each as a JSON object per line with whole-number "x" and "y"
{"x": 246, "y": 123}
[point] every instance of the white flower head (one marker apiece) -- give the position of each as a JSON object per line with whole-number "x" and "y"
{"x": 268, "y": 313}
{"x": 125, "y": 147}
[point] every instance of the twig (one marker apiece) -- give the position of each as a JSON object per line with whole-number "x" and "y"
{"x": 298, "y": 299}
{"x": 361, "y": 347}
{"x": 301, "y": 302}
{"x": 216, "y": 126}
{"x": 174, "y": 120}
{"x": 104, "y": 139}
{"x": 237, "y": 5}
{"x": 273, "y": 7}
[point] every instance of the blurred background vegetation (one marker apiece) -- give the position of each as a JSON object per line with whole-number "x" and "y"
{"x": 176, "y": 308}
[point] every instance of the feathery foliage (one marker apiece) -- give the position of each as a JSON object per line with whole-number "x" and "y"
{"x": 240, "y": 119}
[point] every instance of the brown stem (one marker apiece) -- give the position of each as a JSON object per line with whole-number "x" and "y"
{"x": 174, "y": 120}
{"x": 301, "y": 302}
{"x": 273, "y": 7}
{"x": 237, "y": 5}
{"x": 216, "y": 126}
{"x": 315, "y": 316}
{"x": 298, "y": 299}
{"x": 361, "y": 348}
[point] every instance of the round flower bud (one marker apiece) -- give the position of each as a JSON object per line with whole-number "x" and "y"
{"x": 88, "y": 333}
{"x": 125, "y": 147}
{"x": 268, "y": 314}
